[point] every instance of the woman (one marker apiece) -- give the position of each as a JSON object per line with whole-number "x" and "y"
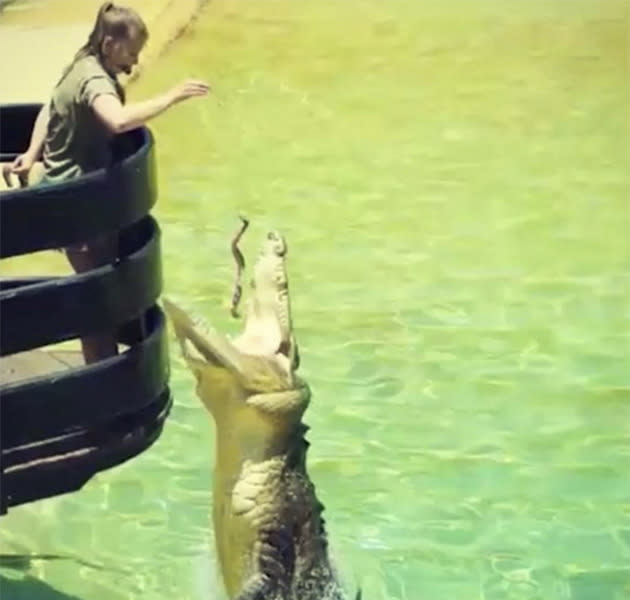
{"x": 73, "y": 133}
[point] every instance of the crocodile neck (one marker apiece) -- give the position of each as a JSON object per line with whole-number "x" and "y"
{"x": 244, "y": 440}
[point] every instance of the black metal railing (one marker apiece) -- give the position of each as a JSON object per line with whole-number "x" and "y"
{"x": 57, "y": 431}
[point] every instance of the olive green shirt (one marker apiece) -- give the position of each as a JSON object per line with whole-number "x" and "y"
{"x": 77, "y": 141}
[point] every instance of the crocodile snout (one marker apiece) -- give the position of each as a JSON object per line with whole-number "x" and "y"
{"x": 275, "y": 244}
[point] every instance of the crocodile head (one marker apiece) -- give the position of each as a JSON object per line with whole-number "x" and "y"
{"x": 268, "y": 326}
{"x": 256, "y": 369}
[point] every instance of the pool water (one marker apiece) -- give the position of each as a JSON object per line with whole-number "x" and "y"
{"x": 453, "y": 183}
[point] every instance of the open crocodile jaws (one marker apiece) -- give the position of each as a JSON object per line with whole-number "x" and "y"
{"x": 270, "y": 536}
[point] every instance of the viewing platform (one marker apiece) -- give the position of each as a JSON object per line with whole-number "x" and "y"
{"x": 61, "y": 421}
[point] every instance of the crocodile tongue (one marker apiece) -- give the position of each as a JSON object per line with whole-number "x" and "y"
{"x": 262, "y": 337}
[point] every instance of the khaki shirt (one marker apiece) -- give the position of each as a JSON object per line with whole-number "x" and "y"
{"x": 77, "y": 141}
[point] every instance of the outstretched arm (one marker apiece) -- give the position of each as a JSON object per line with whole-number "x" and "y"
{"x": 119, "y": 118}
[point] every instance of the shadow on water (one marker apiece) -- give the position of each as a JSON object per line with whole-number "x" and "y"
{"x": 27, "y": 587}
{"x": 613, "y": 584}
{"x": 30, "y": 588}
{"x": 5, "y": 3}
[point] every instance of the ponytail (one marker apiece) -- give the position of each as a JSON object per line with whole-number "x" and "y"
{"x": 118, "y": 22}
{"x": 95, "y": 40}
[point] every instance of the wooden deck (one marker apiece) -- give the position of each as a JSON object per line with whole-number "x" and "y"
{"x": 36, "y": 363}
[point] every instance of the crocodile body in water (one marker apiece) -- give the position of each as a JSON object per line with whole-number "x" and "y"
{"x": 270, "y": 536}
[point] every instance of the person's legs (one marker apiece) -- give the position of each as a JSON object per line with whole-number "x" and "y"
{"x": 91, "y": 255}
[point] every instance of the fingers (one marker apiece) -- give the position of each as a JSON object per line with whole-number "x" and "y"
{"x": 6, "y": 170}
{"x": 198, "y": 83}
{"x": 22, "y": 176}
{"x": 197, "y": 88}
{"x": 20, "y": 166}
{"x": 191, "y": 88}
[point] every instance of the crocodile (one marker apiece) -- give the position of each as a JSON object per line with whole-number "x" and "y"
{"x": 270, "y": 534}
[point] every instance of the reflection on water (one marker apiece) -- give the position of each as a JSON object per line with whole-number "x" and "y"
{"x": 453, "y": 184}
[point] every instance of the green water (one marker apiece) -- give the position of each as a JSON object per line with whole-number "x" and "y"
{"x": 453, "y": 184}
